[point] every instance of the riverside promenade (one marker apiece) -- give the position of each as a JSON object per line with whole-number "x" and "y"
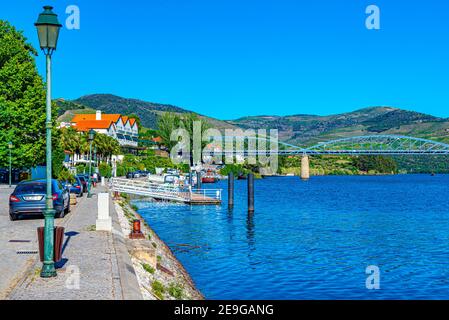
{"x": 95, "y": 265}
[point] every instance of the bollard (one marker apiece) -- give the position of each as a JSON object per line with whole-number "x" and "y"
{"x": 104, "y": 221}
{"x": 230, "y": 190}
{"x": 136, "y": 232}
{"x": 103, "y": 183}
{"x": 250, "y": 192}
{"x": 190, "y": 177}
{"x": 198, "y": 180}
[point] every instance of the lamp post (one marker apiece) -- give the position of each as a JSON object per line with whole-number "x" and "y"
{"x": 95, "y": 157}
{"x": 48, "y": 27}
{"x": 10, "y": 171}
{"x": 91, "y": 139}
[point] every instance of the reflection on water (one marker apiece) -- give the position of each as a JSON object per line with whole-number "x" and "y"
{"x": 314, "y": 240}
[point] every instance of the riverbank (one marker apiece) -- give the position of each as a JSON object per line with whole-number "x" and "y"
{"x": 159, "y": 273}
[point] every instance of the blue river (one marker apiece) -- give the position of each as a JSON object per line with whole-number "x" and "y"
{"x": 315, "y": 239}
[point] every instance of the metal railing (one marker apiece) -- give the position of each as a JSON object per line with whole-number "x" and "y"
{"x": 164, "y": 191}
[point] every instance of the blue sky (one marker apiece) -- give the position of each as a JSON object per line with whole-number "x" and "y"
{"x": 231, "y": 58}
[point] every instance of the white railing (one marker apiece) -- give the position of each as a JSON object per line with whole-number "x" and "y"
{"x": 205, "y": 194}
{"x": 164, "y": 191}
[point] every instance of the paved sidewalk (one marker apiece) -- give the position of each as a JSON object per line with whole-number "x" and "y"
{"x": 18, "y": 241}
{"x": 94, "y": 264}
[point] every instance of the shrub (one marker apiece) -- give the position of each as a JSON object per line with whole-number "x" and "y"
{"x": 65, "y": 175}
{"x": 158, "y": 289}
{"x": 176, "y": 291}
{"x": 105, "y": 170}
{"x": 148, "y": 268}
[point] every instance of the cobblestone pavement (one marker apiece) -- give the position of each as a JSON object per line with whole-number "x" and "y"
{"x": 89, "y": 269}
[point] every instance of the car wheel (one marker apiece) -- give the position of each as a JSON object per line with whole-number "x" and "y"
{"x": 61, "y": 213}
{"x": 12, "y": 217}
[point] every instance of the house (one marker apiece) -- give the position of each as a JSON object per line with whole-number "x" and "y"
{"x": 124, "y": 129}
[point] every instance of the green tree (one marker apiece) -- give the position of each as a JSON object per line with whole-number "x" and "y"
{"x": 379, "y": 164}
{"x": 22, "y": 101}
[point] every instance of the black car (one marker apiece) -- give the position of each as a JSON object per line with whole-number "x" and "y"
{"x": 29, "y": 198}
{"x": 131, "y": 175}
{"x": 84, "y": 180}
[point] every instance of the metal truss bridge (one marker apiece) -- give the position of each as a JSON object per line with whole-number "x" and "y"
{"x": 362, "y": 145}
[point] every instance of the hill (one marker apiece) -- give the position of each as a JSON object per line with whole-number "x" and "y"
{"x": 148, "y": 112}
{"x": 299, "y": 129}
{"x": 310, "y": 129}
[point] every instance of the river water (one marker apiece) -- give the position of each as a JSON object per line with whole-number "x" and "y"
{"x": 315, "y": 239}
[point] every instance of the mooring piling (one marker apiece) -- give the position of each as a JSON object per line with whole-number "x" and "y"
{"x": 250, "y": 192}
{"x": 230, "y": 190}
{"x": 198, "y": 180}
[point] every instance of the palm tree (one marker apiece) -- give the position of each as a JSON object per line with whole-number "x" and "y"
{"x": 188, "y": 122}
{"x": 167, "y": 123}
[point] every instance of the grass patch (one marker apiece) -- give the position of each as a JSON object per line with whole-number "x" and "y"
{"x": 158, "y": 289}
{"x": 91, "y": 228}
{"x": 148, "y": 268}
{"x": 176, "y": 291}
{"x": 159, "y": 258}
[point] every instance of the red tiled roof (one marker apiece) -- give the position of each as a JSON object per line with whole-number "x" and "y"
{"x": 92, "y": 117}
{"x": 104, "y": 117}
{"x": 93, "y": 124}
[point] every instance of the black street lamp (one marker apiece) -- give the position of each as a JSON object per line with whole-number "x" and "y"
{"x": 48, "y": 27}
{"x": 91, "y": 138}
{"x": 10, "y": 146}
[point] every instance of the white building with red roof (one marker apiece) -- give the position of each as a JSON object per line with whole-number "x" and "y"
{"x": 122, "y": 128}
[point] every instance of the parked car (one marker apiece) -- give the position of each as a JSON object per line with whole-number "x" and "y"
{"x": 29, "y": 198}
{"x": 84, "y": 180}
{"x": 132, "y": 175}
{"x": 75, "y": 187}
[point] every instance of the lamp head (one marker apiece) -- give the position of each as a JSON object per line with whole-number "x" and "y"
{"x": 48, "y": 27}
{"x": 91, "y": 135}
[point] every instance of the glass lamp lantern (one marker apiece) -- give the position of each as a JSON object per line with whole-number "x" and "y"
{"x": 48, "y": 28}
{"x": 91, "y": 135}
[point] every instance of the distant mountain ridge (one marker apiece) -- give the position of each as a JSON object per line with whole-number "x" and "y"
{"x": 299, "y": 129}
{"x": 308, "y": 129}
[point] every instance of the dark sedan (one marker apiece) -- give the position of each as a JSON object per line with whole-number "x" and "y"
{"x": 84, "y": 180}
{"x": 28, "y": 198}
{"x": 75, "y": 187}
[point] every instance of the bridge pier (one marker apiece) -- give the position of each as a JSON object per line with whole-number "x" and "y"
{"x": 305, "y": 167}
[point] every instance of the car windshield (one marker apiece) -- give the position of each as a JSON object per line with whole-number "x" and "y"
{"x": 32, "y": 188}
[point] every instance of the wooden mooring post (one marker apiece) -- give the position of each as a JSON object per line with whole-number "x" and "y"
{"x": 250, "y": 193}
{"x": 230, "y": 190}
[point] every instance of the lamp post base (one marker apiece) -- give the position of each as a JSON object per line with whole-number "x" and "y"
{"x": 48, "y": 270}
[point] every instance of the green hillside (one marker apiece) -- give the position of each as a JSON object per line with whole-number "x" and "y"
{"x": 148, "y": 112}
{"x": 305, "y": 130}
